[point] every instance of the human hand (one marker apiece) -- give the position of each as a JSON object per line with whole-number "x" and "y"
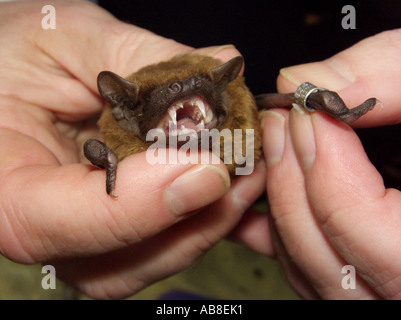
{"x": 328, "y": 204}
{"x": 54, "y": 208}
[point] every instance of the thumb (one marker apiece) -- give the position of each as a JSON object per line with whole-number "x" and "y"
{"x": 69, "y": 213}
{"x": 224, "y": 52}
{"x": 368, "y": 69}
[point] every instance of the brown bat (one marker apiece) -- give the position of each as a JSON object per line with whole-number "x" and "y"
{"x": 185, "y": 97}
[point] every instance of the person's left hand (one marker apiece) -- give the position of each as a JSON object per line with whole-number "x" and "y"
{"x": 53, "y": 205}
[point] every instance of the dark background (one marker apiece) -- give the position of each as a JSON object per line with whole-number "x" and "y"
{"x": 272, "y": 35}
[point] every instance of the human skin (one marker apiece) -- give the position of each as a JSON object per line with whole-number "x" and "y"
{"x": 329, "y": 207}
{"x": 53, "y": 207}
{"x": 328, "y": 204}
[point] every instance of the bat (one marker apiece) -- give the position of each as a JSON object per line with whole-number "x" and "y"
{"x": 185, "y": 97}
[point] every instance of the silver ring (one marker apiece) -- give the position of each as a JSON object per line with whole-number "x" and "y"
{"x": 302, "y": 93}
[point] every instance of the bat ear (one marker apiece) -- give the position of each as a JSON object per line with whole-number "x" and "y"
{"x": 227, "y": 72}
{"x": 115, "y": 89}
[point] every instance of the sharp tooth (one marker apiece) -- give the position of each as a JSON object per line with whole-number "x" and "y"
{"x": 173, "y": 114}
{"x": 201, "y": 106}
{"x": 209, "y": 116}
{"x": 179, "y": 105}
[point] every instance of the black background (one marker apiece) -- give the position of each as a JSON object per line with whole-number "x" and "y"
{"x": 272, "y": 35}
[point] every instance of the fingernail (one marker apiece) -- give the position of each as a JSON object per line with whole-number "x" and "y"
{"x": 303, "y": 136}
{"x": 196, "y": 188}
{"x": 221, "y": 48}
{"x": 330, "y": 74}
{"x": 273, "y": 137}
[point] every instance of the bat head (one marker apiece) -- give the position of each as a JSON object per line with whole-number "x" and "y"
{"x": 187, "y": 92}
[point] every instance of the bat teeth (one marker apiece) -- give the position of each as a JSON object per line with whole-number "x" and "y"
{"x": 209, "y": 116}
{"x": 201, "y": 107}
{"x": 173, "y": 114}
{"x": 194, "y": 108}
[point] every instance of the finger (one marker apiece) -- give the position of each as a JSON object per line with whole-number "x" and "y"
{"x": 254, "y": 232}
{"x": 300, "y": 233}
{"x": 67, "y": 76}
{"x": 70, "y": 214}
{"x": 128, "y": 47}
{"x": 224, "y": 53}
{"x": 41, "y": 61}
{"x": 347, "y": 195}
{"x": 297, "y": 279}
{"x": 281, "y": 201}
{"x": 125, "y": 271}
{"x": 368, "y": 69}
{"x": 253, "y": 229}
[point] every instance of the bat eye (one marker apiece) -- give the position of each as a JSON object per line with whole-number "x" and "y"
{"x": 175, "y": 87}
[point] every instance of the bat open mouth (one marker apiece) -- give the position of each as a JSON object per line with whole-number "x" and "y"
{"x": 187, "y": 115}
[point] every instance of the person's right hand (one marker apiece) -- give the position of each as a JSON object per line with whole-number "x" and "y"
{"x": 329, "y": 206}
